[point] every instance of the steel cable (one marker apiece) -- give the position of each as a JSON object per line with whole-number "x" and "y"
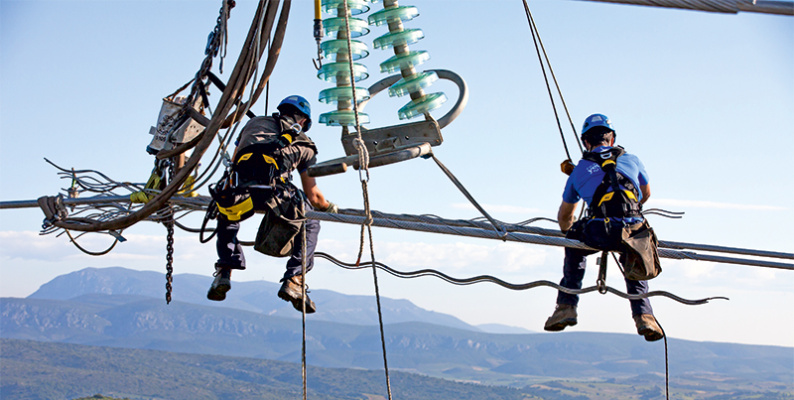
{"x": 723, "y": 6}
{"x": 511, "y": 286}
{"x": 523, "y": 237}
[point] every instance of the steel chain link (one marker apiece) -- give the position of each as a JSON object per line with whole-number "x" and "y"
{"x": 169, "y": 258}
{"x": 169, "y": 247}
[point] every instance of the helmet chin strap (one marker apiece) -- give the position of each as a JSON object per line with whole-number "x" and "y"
{"x": 296, "y": 127}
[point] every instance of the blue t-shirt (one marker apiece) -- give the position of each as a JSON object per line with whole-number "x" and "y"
{"x": 587, "y": 176}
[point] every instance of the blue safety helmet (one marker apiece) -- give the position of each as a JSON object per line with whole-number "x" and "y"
{"x": 596, "y": 120}
{"x": 302, "y": 105}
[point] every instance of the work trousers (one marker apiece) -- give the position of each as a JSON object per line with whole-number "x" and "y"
{"x": 573, "y": 274}
{"x": 230, "y": 252}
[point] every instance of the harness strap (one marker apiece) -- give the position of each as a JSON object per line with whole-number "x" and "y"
{"x": 606, "y": 204}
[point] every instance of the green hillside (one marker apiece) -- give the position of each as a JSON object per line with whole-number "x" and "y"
{"x": 56, "y": 371}
{"x": 38, "y": 371}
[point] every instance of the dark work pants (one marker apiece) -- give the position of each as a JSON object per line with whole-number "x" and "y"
{"x": 230, "y": 252}
{"x": 573, "y": 274}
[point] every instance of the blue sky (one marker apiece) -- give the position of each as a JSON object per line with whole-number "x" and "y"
{"x": 703, "y": 99}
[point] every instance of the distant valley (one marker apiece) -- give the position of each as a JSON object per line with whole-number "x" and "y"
{"x": 120, "y": 308}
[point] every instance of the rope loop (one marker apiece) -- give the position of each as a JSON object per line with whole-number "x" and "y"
{"x": 363, "y": 158}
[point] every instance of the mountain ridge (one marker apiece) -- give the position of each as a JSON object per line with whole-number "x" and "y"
{"x": 127, "y": 317}
{"x": 256, "y": 296}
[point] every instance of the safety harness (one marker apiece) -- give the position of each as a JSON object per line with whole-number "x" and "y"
{"x": 606, "y": 227}
{"x": 256, "y": 168}
{"x": 623, "y": 200}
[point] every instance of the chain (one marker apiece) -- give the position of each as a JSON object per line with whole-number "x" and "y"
{"x": 169, "y": 247}
{"x": 169, "y": 257}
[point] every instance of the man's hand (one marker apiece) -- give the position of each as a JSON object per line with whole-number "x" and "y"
{"x": 565, "y": 216}
{"x": 332, "y": 208}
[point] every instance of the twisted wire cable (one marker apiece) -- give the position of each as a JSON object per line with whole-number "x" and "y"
{"x": 525, "y": 237}
{"x": 507, "y": 285}
{"x": 722, "y": 6}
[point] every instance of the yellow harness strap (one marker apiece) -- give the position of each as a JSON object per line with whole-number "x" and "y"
{"x": 235, "y": 212}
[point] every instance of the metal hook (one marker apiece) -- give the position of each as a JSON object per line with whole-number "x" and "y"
{"x": 318, "y": 36}
{"x": 318, "y": 62}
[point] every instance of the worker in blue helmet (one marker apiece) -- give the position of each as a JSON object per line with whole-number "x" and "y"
{"x": 268, "y": 150}
{"x": 613, "y": 185}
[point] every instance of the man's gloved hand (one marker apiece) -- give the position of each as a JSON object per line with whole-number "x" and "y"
{"x": 567, "y": 167}
{"x": 332, "y": 208}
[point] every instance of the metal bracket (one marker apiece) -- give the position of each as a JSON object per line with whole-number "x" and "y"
{"x": 390, "y": 138}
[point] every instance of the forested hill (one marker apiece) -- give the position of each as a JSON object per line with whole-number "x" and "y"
{"x": 57, "y": 371}
{"x": 50, "y": 371}
{"x": 125, "y": 309}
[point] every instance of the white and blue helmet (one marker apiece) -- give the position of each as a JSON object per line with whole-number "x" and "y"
{"x": 302, "y": 105}
{"x": 596, "y": 120}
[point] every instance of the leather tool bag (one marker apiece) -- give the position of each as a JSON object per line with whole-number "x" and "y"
{"x": 283, "y": 220}
{"x": 642, "y": 253}
{"x": 637, "y": 241}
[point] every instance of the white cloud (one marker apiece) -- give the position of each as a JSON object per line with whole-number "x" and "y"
{"x": 498, "y": 208}
{"x": 30, "y": 245}
{"x": 137, "y": 249}
{"x": 460, "y": 258}
{"x": 711, "y": 204}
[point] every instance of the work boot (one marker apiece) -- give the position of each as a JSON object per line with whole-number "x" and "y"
{"x": 291, "y": 291}
{"x": 564, "y": 315}
{"x": 221, "y": 284}
{"x": 647, "y": 326}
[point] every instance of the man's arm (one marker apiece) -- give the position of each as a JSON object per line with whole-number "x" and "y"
{"x": 565, "y": 216}
{"x": 646, "y": 193}
{"x": 313, "y": 192}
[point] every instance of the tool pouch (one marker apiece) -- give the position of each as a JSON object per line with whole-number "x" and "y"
{"x": 641, "y": 249}
{"x": 284, "y": 217}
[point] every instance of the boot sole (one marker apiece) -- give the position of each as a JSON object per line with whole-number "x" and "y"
{"x": 218, "y": 293}
{"x": 560, "y": 325}
{"x": 650, "y": 334}
{"x": 296, "y": 302}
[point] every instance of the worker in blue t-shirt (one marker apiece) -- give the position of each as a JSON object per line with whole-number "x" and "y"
{"x": 585, "y": 179}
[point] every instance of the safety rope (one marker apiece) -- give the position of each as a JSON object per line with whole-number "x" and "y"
{"x": 666, "y": 362}
{"x": 363, "y": 171}
{"x": 536, "y": 33}
{"x": 303, "y": 306}
{"x": 535, "y": 38}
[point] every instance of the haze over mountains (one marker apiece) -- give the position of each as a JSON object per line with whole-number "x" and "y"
{"x": 123, "y": 308}
{"x": 257, "y": 296}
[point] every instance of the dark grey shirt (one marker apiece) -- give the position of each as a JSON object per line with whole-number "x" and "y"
{"x": 302, "y": 153}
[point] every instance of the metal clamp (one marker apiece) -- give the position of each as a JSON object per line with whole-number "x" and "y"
{"x": 601, "y": 282}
